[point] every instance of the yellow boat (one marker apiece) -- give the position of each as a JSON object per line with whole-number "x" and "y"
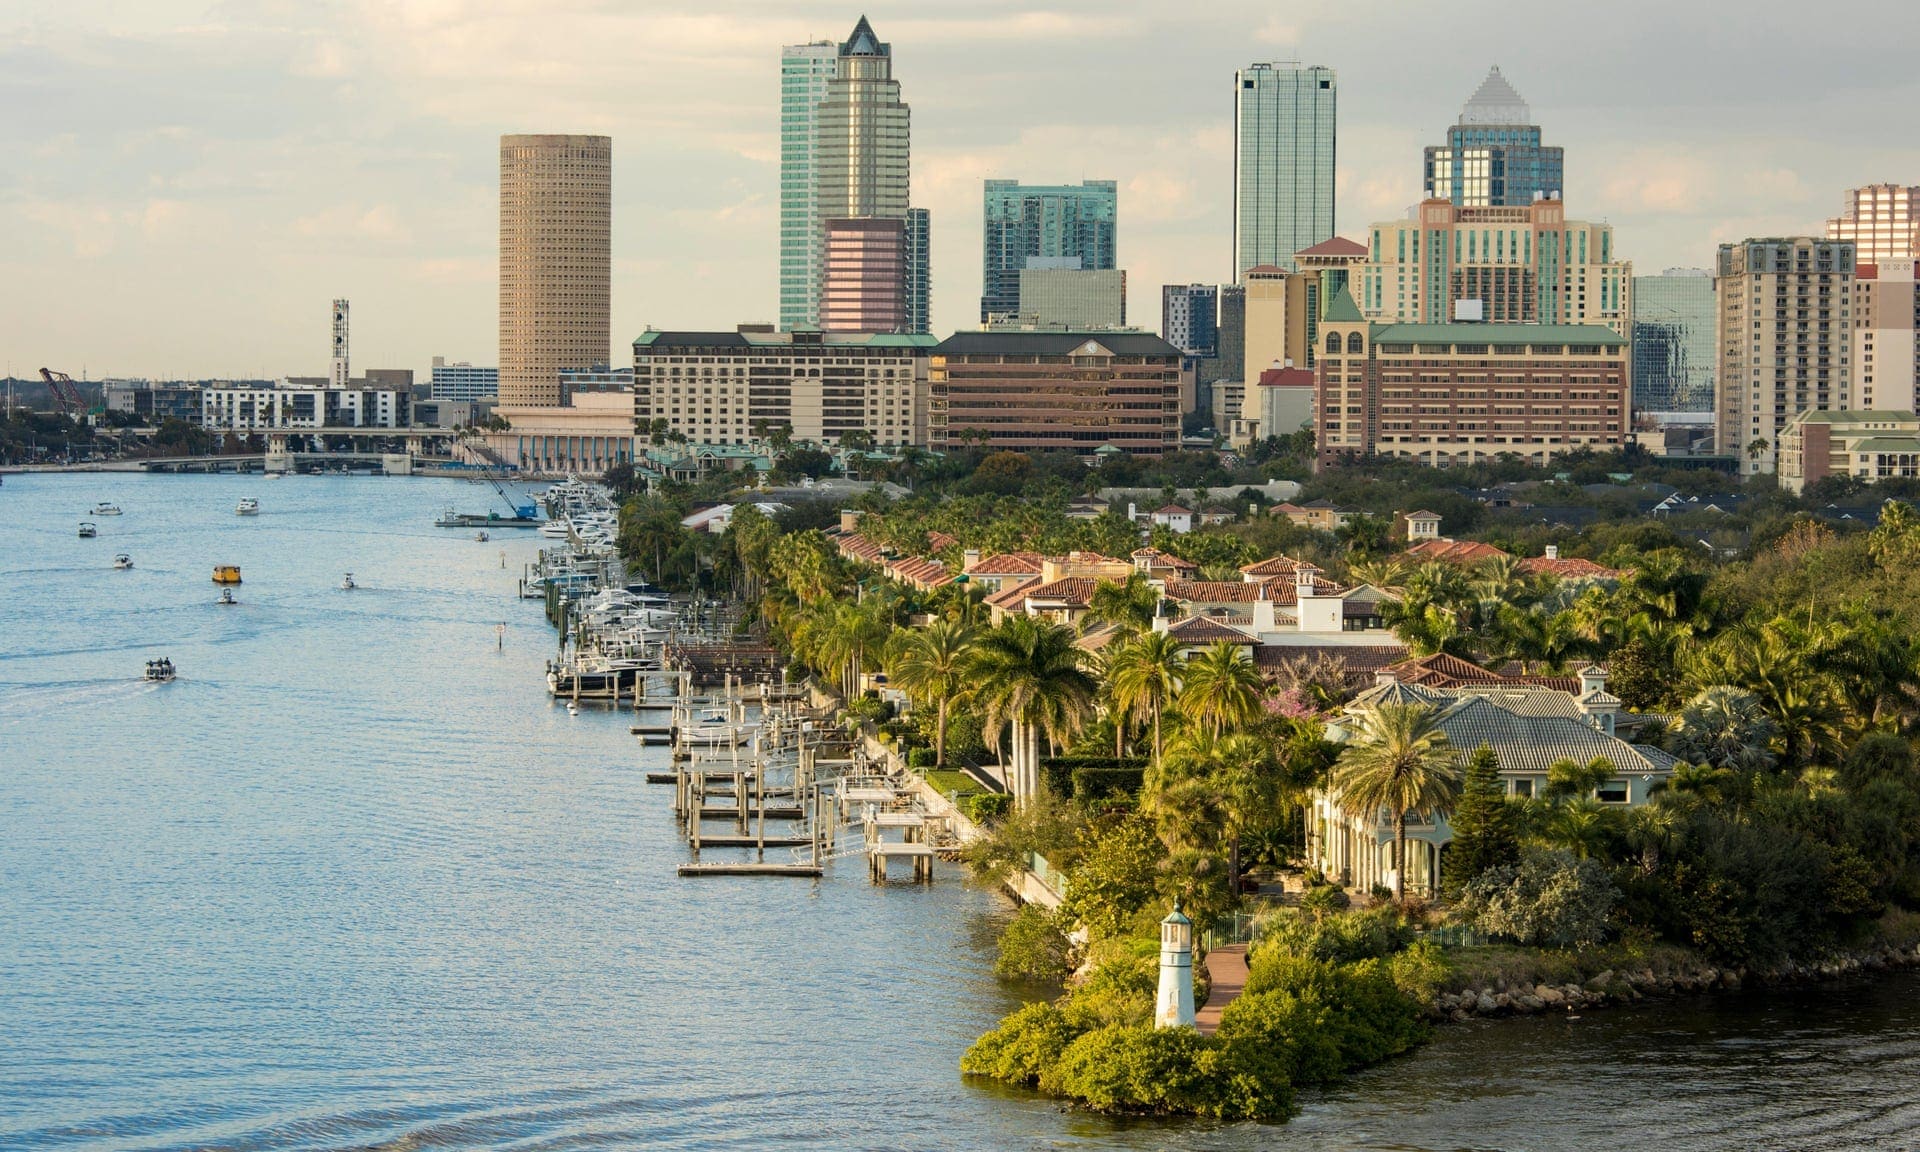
{"x": 226, "y": 574}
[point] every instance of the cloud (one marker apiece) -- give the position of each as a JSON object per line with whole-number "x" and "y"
{"x": 380, "y": 224}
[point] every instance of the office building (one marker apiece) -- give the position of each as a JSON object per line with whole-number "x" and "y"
{"x": 1869, "y": 446}
{"x": 1037, "y": 226}
{"x": 1190, "y": 318}
{"x": 919, "y": 256}
{"x": 1674, "y": 344}
{"x": 866, "y": 275}
{"x": 1786, "y": 339}
{"x": 1459, "y": 393}
{"x": 556, "y": 204}
{"x": 462, "y": 381}
{"x": 1070, "y": 299}
{"x": 1880, "y": 221}
{"x": 1493, "y": 157}
{"x": 1055, "y": 391}
{"x": 600, "y": 378}
{"x": 1886, "y": 316}
{"x": 1283, "y": 162}
{"x": 1526, "y": 265}
{"x": 719, "y": 387}
{"x": 805, "y": 70}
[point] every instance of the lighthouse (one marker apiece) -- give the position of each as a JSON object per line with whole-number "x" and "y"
{"x": 1174, "y": 1006}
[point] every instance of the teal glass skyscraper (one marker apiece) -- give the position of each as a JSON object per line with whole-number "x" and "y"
{"x": 1283, "y": 162}
{"x": 1048, "y": 222}
{"x": 1493, "y": 157}
{"x": 805, "y": 70}
{"x": 1675, "y": 341}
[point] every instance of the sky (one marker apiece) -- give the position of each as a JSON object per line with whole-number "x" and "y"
{"x": 190, "y": 184}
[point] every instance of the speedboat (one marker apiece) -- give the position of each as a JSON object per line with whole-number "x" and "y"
{"x": 160, "y": 670}
{"x": 122, "y": 562}
{"x": 87, "y": 530}
{"x": 554, "y": 529}
{"x": 482, "y": 537}
{"x": 248, "y": 507}
{"x": 226, "y": 597}
{"x": 105, "y": 509}
{"x": 347, "y": 584}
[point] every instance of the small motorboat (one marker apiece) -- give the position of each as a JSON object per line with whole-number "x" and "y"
{"x": 105, "y": 509}
{"x": 572, "y": 708}
{"x": 347, "y": 584}
{"x": 248, "y": 507}
{"x": 88, "y": 530}
{"x": 159, "y": 671}
{"x": 226, "y": 597}
{"x": 122, "y": 562}
{"x": 481, "y": 537}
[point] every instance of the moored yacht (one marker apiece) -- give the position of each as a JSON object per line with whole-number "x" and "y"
{"x": 105, "y": 509}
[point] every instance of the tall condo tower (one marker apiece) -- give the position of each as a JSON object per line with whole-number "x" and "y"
{"x": 1283, "y": 156}
{"x": 805, "y": 70}
{"x": 1793, "y": 295}
{"x": 1493, "y": 157}
{"x": 861, "y": 160}
{"x": 337, "y": 373}
{"x": 556, "y": 208}
{"x": 1050, "y": 223}
{"x": 1882, "y": 220}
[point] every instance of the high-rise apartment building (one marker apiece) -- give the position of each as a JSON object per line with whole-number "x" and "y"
{"x": 462, "y": 381}
{"x": 1032, "y": 222}
{"x": 556, "y": 209}
{"x": 805, "y": 70}
{"x": 1886, "y": 319}
{"x": 919, "y": 242}
{"x": 339, "y": 371}
{"x": 1073, "y": 299}
{"x": 1283, "y": 162}
{"x": 1786, "y": 339}
{"x": 865, "y": 289}
{"x": 1493, "y": 157}
{"x": 1190, "y": 318}
{"x": 1881, "y": 222}
{"x": 1526, "y": 265}
{"x": 1674, "y": 343}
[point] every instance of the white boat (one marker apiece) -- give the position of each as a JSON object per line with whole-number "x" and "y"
{"x": 248, "y": 507}
{"x": 122, "y": 562}
{"x": 226, "y": 597}
{"x": 105, "y": 509}
{"x": 159, "y": 671}
{"x": 88, "y": 530}
{"x": 554, "y": 529}
{"x": 347, "y": 584}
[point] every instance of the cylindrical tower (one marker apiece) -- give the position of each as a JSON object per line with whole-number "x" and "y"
{"x": 1174, "y": 1006}
{"x": 556, "y": 208}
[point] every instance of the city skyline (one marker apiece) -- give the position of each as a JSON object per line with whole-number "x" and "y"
{"x": 322, "y": 154}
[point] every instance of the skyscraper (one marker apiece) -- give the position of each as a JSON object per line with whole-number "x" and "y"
{"x": 1042, "y": 222}
{"x": 1882, "y": 222}
{"x": 1674, "y": 342}
{"x": 1786, "y": 339}
{"x": 805, "y": 70}
{"x": 1493, "y": 157}
{"x": 556, "y": 208}
{"x": 861, "y": 183}
{"x": 1283, "y": 158}
{"x": 1190, "y": 318}
{"x": 866, "y": 281}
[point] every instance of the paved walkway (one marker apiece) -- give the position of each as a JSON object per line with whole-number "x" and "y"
{"x": 1227, "y": 968}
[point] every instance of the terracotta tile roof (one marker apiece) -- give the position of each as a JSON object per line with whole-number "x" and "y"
{"x": 1013, "y": 594}
{"x": 857, "y": 547}
{"x": 1453, "y": 551}
{"x": 1007, "y": 564}
{"x": 1275, "y": 566}
{"x": 1423, "y": 514}
{"x": 940, "y": 542}
{"x": 1159, "y": 559}
{"x": 1357, "y": 662}
{"x": 1095, "y": 639}
{"x": 1073, "y": 590}
{"x": 1173, "y": 510}
{"x": 1442, "y": 671}
{"x": 1335, "y": 246}
{"x": 1215, "y": 591}
{"x": 1285, "y": 590}
{"x": 921, "y": 571}
{"x": 1204, "y": 630}
{"x": 1569, "y": 568}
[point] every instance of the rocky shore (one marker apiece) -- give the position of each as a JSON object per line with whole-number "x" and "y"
{"x": 1628, "y": 985}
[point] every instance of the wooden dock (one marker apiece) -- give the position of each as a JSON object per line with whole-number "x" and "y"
{"x": 751, "y": 869}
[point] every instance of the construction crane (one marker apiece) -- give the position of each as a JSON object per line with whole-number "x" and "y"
{"x": 66, "y": 397}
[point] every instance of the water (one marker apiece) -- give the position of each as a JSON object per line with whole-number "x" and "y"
{"x": 353, "y": 882}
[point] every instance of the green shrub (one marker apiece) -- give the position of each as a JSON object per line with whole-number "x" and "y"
{"x": 1120, "y": 990}
{"x": 1024, "y": 1046}
{"x": 1283, "y": 1035}
{"x": 1032, "y": 947}
{"x": 1379, "y": 931}
{"x": 920, "y": 757}
{"x": 982, "y": 807}
{"x": 1132, "y": 1068}
{"x": 1420, "y": 972}
{"x": 1550, "y": 900}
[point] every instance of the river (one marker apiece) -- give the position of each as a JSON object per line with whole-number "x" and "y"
{"x": 353, "y": 882}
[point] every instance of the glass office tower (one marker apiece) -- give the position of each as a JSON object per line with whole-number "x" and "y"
{"x": 1045, "y": 222}
{"x": 1674, "y": 341}
{"x": 1283, "y": 157}
{"x": 1493, "y": 157}
{"x": 805, "y": 70}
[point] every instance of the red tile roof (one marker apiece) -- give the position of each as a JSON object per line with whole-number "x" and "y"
{"x": 1442, "y": 671}
{"x": 1359, "y": 663}
{"x": 1159, "y": 559}
{"x": 1568, "y": 568}
{"x": 1286, "y": 378}
{"x": 1274, "y": 566}
{"x": 1215, "y": 591}
{"x": 1205, "y": 630}
{"x": 1012, "y": 594}
{"x": 1073, "y": 590}
{"x": 1453, "y": 551}
{"x": 1335, "y": 246}
{"x": 940, "y": 542}
{"x": 1007, "y": 564}
{"x": 1173, "y": 510}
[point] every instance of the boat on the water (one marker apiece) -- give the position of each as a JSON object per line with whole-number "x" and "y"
{"x": 452, "y": 519}
{"x": 554, "y": 529}
{"x": 248, "y": 506}
{"x": 226, "y": 597}
{"x": 160, "y": 670}
{"x": 122, "y": 562}
{"x": 347, "y": 584}
{"x": 226, "y": 574}
{"x": 88, "y": 530}
{"x": 105, "y": 509}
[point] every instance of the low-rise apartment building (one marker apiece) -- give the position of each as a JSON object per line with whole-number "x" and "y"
{"x": 1868, "y": 446}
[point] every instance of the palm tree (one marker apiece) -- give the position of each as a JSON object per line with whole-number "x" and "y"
{"x": 1145, "y": 675}
{"x": 1221, "y": 687}
{"x": 1220, "y": 784}
{"x": 1027, "y": 675}
{"x": 1724, "y": 727}
{"x": 1130, "y": 605}
{"x": 1400, "y": 760}
{"x": 931, "y": 664}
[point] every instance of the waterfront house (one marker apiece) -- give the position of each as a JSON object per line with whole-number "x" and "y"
{"x": 1529, "y": 727}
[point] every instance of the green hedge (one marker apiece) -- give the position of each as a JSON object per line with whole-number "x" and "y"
{"x": 1093, "y": 777}
{"x": 984, "y": 806}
